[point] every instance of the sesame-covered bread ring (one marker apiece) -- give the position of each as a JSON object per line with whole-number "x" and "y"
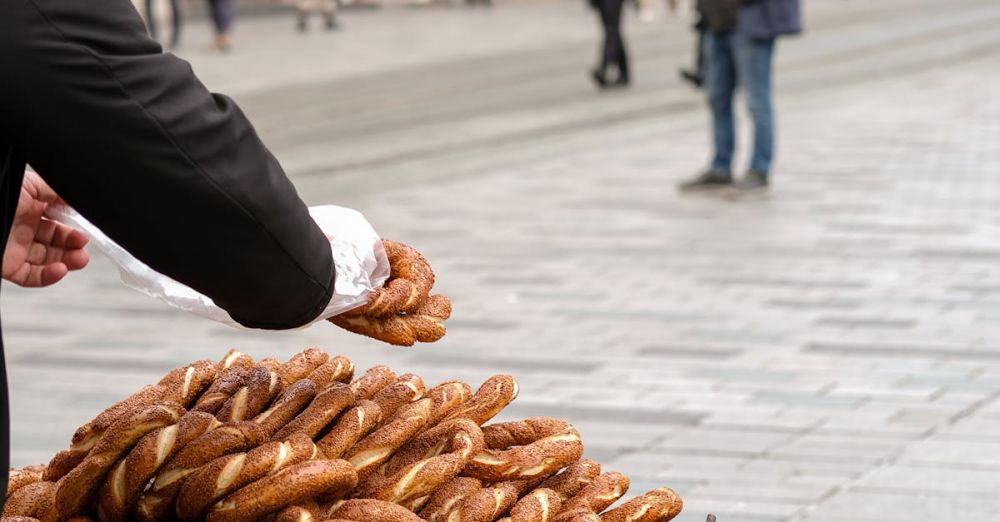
{"x": 373, "y": 450}
{"x": 337, "y": 369}
{"x": 227, "y": 474}
{"x": 158, "y": 501}
{"x": 228, "y": 382}
{"x": 292, "y": 401}
{"x": 18, "y": 478}
{"x": 485, "y": 505}
{"x": 257, "y": 392}
{"x": 525, "y": 450}
{"x": 407, "y": 388}
{"x": 131, "y": 475}
{"x": 598, "y": 495}
{"x": 234, "y": 358}
{"x": 446, "y": 398}
{"x": 351, "y": 427}
{"x": 301, "y": 365}
{"x": 368, "y": 510}
{"x": 371, "y": 382}
{"x": 447, "y": 498}
{"x": 425, "y": 324}
{"x": 320, "y": 413}
{"x": 29, "y": 500}
{"x": 19, "y": 519}
{"x": 491, "y": 397}
{"x": 659, "y": 505}
{"x": 289, "y": 486}
{"x": 541, "y": 505}
{"x": 78, "y": 486}
{"x": 573, "y": 479}
{"x": 410, "y": 282}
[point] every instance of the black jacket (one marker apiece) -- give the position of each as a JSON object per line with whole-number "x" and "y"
{"x": 129, "y": 137}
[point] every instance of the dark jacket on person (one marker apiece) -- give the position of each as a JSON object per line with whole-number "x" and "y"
{"x": 131, "y": 139}
{"x": 761, "y": 19}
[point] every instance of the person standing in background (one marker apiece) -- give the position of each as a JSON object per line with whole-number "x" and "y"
{"x": 152, "y": 21}
{"x": 327, "y": 8}
{"x": 739, "y": 47}
{"x": 613, "y": 54}
{"x": 696, "y": 76}
{"x": 223, "y": 12}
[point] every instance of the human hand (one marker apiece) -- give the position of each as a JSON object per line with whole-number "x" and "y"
{"x": 40, "y": 252}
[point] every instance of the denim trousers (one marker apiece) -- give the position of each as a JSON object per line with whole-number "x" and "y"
{"x": 734, "y": 59}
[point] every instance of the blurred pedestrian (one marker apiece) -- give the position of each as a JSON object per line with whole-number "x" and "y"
{"x": 696, "y": 75}
{"x": 223, "y": 13}
{"x": 152, "y": 17}
{"x": 739, "y": 48}
{"x": 613, "y": 55}
{"x": 326, "y": 8}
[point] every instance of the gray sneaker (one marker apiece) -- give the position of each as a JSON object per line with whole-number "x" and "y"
{"x": 751, "y": 186}
{"x": 711, "y": 179}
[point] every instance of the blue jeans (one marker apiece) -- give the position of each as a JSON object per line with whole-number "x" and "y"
{"x": 734, "y": 59}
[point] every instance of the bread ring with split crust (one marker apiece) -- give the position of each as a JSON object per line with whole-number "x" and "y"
{"x": 257, "y": 392}
{"x": 336, "y": 369}
{"x": 289, "y": 486}
{"x": 596, "y": 496}
{"x": 485, "y": 505}
{"x": 234, "y": 358}
{"x": 352, "y": 426}
{"x": 158, "y": 501}
{"x": 659, "y": 505}
{"x": 18, "y": 478}
{"x": 371, "y": 382}
{"x": 301, "y": 365}
{"x": 131, "y": 475}
{"x": 524, "y": 450}
{"x": 227, "y": 474}
{"x": 369, "y": 510}
{"x": 492, "y": 396}
{"x": 407, "y": 388}
{"x": 80, "y": 485}
{"x": 541, "y": 505}
{"x": 425, "y": 324}
{"x": 320, "y": 413}
{"x": 308, "y": 511}
{"x": 292, "y": 401}
{"x": 371, "y": 451}
{"x": 445, "y": 399}
{"x": 447, "y": 498}
{"x": 29, "y": 500}
{"x": 409, "y": 284}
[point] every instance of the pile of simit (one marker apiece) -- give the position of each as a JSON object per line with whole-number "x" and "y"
{"x": 245, "y": 440}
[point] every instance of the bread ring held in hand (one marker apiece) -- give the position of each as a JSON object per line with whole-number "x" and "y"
{"x": 410, "y": 282}
{"x": 524, "y": 450}
{"x": 425, "y": 324}
{"x": 368, "y": 510}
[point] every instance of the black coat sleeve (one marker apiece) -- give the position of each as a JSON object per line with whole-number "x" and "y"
{"x": 173, "y": 173}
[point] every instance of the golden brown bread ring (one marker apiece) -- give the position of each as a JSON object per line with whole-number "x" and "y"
{"x": 308, "y": 511}
{"x": 541, "y": 505}
{"x": 29, "y": 500}
{"x": 371, "y": 382}
{"x": 18, "y": 478}
{"x": 292, "y": 401}
{"x": 234, "y": 358}
{"x": 424, "y": 325}
{"x": 525, "y": 450}
{"x": 158, "y": 501}
{"x": 259, "y": 389}
{"x": 659, "y": 505}
{"x": 447, "y": 497}
{"x": 131, "y": 475}
{"x": 485, "y": 505}
{"x": 578, "y": 515}
{"x": 446, "y": 398}
{"x": 409, "y": 284}
{"x": 289, "y": 486}
{"x": 337, "y": 369}
{"x": 407, "y": 388}
{"x": 320, "y": 413}
{"x": 78, "y": 486}
{"x": 425, "y": 463}
{"x": 492, "y": 396}
{"x": 598, "y": 495}
{"x": 225, "y": 385}
{"x": 227, "y": 474}
{"x": 573, "y": 479}
{"x": 369, "y": 510}
{"x": 19, "y": 519}
{"x": 354, "y": 424}
{"x": 301, "y": 365}
{"x": 371, "y": 451}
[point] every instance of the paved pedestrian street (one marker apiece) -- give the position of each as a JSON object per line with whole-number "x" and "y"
{"x": 830, "y": 353}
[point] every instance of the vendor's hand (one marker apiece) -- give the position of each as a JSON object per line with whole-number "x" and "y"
{"x": 40, "y": 252}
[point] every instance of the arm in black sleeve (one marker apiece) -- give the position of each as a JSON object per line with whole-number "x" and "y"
{"x": 129, "y": 137}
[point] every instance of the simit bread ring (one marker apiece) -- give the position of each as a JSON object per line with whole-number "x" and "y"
{"x": 537, "y": 447}
{"x": 411, "y": 280}
{"x": 234, "y": 358}
{"x": 354, "y": 424}
{"x": 293, "y": 400}
{"x": 18, "y": 478}
{"x": 132, "y": 474}
{"x": 337, "y": 369}
{"x": 407, "y": 388}
{"x": 485, "y": 505}
{"x": 158, "y": 501}
{"x": 541, "y": 505}
{"x": 225, "y": 475}
{"x": 491, "y": 397}
{"x": 371, "y": 382}
{"x": 257, "y": 392}
{"x": 320, "y": 413}
{"x": 446, "y": 398}
{"x": 228, "y": 382}
{"x": 301, "y": 365}
{"x": 596, "y": 496}
{"x": 446, "y": 498}
{"x": 659, "y": 505}
{"x": 376, "y": 448}
{"x": 289, "y": 486}
{"x": 369, "y": 510}
{"x": 425, "y": 324}
{"x": 573, "y": 479}
{"x": 29, "y": 500}
{"x": 79, "y": 485}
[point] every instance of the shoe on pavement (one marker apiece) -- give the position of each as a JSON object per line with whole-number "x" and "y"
{"x": 712, "y": 179}
{"x": 692, "y": 77}
{"x": 752, "y": 182}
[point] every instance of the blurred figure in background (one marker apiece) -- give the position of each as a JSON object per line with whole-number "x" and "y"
{"x": 223, "y": 13}
{"x": 613, "y": 55}
{"x": 739, "y": 47}
{"x": 327, "y": 8}
{"x": 152, "y": 15}
{"x": 696, "y": 76}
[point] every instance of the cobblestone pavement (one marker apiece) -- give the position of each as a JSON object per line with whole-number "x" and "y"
{"x": 830, "y": 353}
